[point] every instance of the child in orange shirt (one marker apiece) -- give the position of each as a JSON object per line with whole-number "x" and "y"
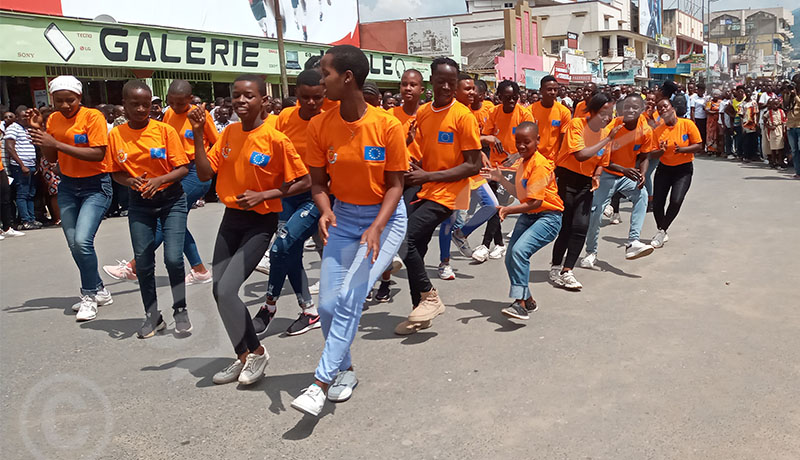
{"x": 149, "y": 158}
{"x": 357, "y": 153}
{"x": 256, "y": 167}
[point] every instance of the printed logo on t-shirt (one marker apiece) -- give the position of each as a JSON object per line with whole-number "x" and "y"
{"x": 524, "y": 183}
{"x": 332, "y": 155}
{"x": 189, "y": 134}
{"x": 514, "y": 130}
{"x": 81, "y": 139}
{"x": 374, "y": 153}
{"x": 122, "y": 156}
{"x": 158, "y": 153}
{"x": 555, "y": 123}
{"x": 259, "y": 159}
{"x": 637, "y": 146}
{"x": 685, "y": 137}
{"x": 446, "y": 137}
{"x": 601, "y": 152}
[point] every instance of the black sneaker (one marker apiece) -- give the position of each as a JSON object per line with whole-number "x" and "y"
{"x": 370, "y": 295}
{"x": 153, "y": 323}
{"x": 516, "y": 310}
{"x": 182, "y": 323}
{"x": 530, "y": 305}
{"x": 303, "y": 324}
{"x": 649, "y": 206}
{"x": 383, "y": 294}
{"x": 262, "y": 319}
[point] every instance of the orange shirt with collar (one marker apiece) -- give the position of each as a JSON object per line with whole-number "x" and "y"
{"x": 295, "y": 128}
{"x": 578, "y": 136}
{"x": 405, "y": 120}
{"x": 536, "y": 180}
{"x": 181, "y": 123}
{"x": 88, "y": 128}
{"x": 155, "y": 149}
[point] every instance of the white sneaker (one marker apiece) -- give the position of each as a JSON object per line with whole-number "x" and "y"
{"x": 198, "y": 278}
{"x": 311, "y": 401}
{"x": 11, "y": 233}
{"x": 498, "y": 252}
{"x": 589, "y": 260}
{"x": 397, "y": 264}
{"x": 310, "y": 244}
{"x": 103, "y": 297}
{"x": 615, "y": 219}
{"x": 253, "y": 369}
{"x": 567, "y": 281}
{"x": 480, "y": 254}
{"x": 555, "y": 272}
{"x": 263, "y": 266}
{"x": 608, "y": 211}
{"x": 87, "y": 310}
{"x": 314, "y": 288}
{"x": 2, "y": 237}
{"x": 637, "y": 249}
{"x": 446, "y": 272}
{"x": 659, "y": 239}
{"x": 731, "y": 157}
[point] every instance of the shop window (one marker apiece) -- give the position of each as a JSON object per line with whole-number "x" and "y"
{"x": 555, "y": 46}
{"x": 606, "y": 46}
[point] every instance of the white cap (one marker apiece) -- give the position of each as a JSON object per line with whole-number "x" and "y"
{"x": 66, "y": 82}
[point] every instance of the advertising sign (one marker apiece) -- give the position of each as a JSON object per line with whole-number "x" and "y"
{"x": 304, "y": 20}
{"x": 431, "y": 37}
{"x": 581, "y": 78}
{"x": 621, "y": 77}
{"x": 561, "y": 72}
{"x": 533, "y": 78}
{"x": 650, "y": 17}
{"x": 572, "y": 40}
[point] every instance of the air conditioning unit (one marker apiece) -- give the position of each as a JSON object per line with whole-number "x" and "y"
{"x": 464, "y": 60}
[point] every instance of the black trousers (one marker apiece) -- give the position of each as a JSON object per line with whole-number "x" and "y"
{"x": 494, "y": 231}
{"x": 242, "y": 240}
{"x": 6, "y": 208}
{"x": 425, "y": 217}
{"x": 673, "y": 181}
{"x": 575, "y": 191}
{"x": 701, "y": 126}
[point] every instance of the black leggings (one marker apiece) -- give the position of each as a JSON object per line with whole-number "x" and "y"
{"x": 575, "y": 191}
{"x": 242, "y": 240}
{"x": 678, "y": 178}
{"x": 494, "y": 231}
{"x": 6, "y": 208}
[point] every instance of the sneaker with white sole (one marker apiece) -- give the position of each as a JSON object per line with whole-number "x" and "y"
{"x": 498, "y": 252}
{"x": 195, "y": 277}
{"x": 516, "y": 310}
{"x": 397, "y": 264}
{"x": 314, "y": 288}
{"x": 659, "y": 239}
{"x": 263, "y": 266}
{"x": 182, "y": 323}
{"x": 121, "y": 271}
{"x": 446, "y": 272}
{"x": 87, "y": 310}
{"x": 262, "y": 320}
{"x": 304, "y": 323}
{"x": 12, "y": 233}
{"x": 608, "y": 211}
{"x": 342, "y": 387}
{"x": 103, "y": 297}
{"x": 153, "y": 322}
{"x": 567, "y": 280}
{"x": 430, "y": 306}
{"x": 253, "y": 369}
{"x": 480, "y": 254}
{"x": 555, "y": 272}
{"x": 461, "y": 243}
{"x": 229, "y": 374}
{"x": 616, "y": 219}
{"x": 310, "y": 401}
{"x": 636, "y": 249}
{"x": 589, "y": 260}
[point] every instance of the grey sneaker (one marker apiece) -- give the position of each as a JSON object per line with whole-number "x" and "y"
{"x": 182, "y": 323}
{"x": 87, "y": 310}
{"x": 253, "y": 369}
{"x": 516, "y": 310}
{"x": 229, "y": 374}
{"x": 153, "y": 323}
{"x": 103, "y": 297}
{"x": 342, "y": 387}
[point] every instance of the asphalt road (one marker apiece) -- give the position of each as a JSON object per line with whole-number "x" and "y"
{"x": 691, "y": 353}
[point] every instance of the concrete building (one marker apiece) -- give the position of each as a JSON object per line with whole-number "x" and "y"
{"x": 686, "y": 30}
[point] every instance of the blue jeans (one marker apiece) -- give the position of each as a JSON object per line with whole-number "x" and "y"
{"x": 487, "y": 207}
{"x": 609, "y": 185}
{"x": 794, "y": 143}
{"x": 286, "y": 255}
{"x": 25, "y": 186}
{"x": 531, "y": 233}
{"x": 83, "y": 202}
{"x": 648, "y": 178}
{"x": 346, "y": 276}
{"x": 167, "y": 208}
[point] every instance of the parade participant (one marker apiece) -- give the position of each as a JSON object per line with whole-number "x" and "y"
{"x": 148, "y": 157}
{"x": 624, "y": 175}
{"x": 299, "y": 215}
{"x": 499, "y": 134}
{"x": 76, "y": 138}
{"x": 678, "y": 141}
{"x": 551, "y": 118}
{"x": 357, "y": 153}
{"x": 372, "y": 94}
{"x": 775, "y": 125}
{"x": 447, "y": 133}
{"x": 256, "y": 166}
{"x": 588, "y": 92}
{"x": 583, "y": 154}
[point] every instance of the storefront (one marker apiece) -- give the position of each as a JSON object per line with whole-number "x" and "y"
{"x": 105, "y": 55}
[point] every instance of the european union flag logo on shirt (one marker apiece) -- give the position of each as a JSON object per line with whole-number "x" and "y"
{"x": 81, "y": 139}
{"x": 685, "y": 137}
{"x": 637, "y": 146}
{"x": 158, "y": 154}
{"x": 601, "y": 152}
{"x": 514, "y": 130}
{"x": 189, "y": 134}
{"x": 374, "y": 153}
{"x": 259, "y": 159}
{"x": 555, "y": 123}
{"x": 446, "y": 138}
{"x": 524, "y": 183}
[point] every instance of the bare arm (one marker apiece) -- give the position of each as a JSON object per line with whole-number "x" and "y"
{"x": 394, "y": 191}
{"x": 470, "y": 167}
{"x": 197, "y": 118}
{"x": 590, "y": 151}
{"x": 51, "y": 146}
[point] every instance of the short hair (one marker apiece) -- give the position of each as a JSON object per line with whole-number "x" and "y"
{"x": 548, "y": 78}
{"x": 633, "y": 95}
{"x": 309, "y": 78}
{"x": 369, "y": 87}
{"x": 669, "y": 88}
{"x": 180, "y": 88}
{"x": 464, "y": 76}
{"x": 348, "y": 57}
{"x": 421, "y": 78}
{"x": 597, "y": 102}
{"x": 481, "y": 86}
{"x": 312, "y": 63}
{"x": 701, "y": 86}
{"x": 20, "y": 110}
{"x": 133, "y": 85}
{"x": 506, "y": 84}
{"x": 528, "y": 125}
{"x": 290, "y": 101}
{"x": 444, "y": 61}
{"x": 260, "y": 83}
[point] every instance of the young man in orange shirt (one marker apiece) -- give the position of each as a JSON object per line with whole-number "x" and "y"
{"x": 448, "y": 136}
{"x": 149, "y": 158}
{"x": 551, "y": 117}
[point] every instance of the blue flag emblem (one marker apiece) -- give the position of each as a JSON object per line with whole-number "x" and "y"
{"x": 601, "y": 152}
{"x": 259, "y": 159}
{"x": 555, "y": 123}
{"x": 637, "y": 146}
{"x": 372, "y": 153}
{"x": 81, "y": 139}
{"x": 685, "y": 137}
{"x": 514, "y": 130}
{"x": 158, "y": 154}
{"x": 524, "y": 183}
{"x": 446, "y": 137}
{"x": 189, "y": 134}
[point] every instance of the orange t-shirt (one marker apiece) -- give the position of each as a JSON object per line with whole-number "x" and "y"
{"x": 443, "y": 134}
{"x": 683, "y": 134}
{"x": 551, "y": 124}
{"x": 627, "y": 145}
{"x": 356, "y": 155}
{"x": 488, "y": 104}
{"x": 295, "y": 128}
{"x": 578, "y": 136}
{"x": 272, "y": 119}
{"x": 181, "y": 123}
{"x": 482, "y": 116}
{"x": 155, "y": 149}
{"x": 503, "y": 126}
{"x": 259, "y": 160}
{"x": 580, "y": 109}
{"x": 406, "y": 119}
{"x": 328, "y": 104}
{"x": 536, "y": 181}
{"x": 88, "y": 128}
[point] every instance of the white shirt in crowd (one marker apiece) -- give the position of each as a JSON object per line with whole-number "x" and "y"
{"x": 23, "y": 145}
{"x": 699, "y": 104}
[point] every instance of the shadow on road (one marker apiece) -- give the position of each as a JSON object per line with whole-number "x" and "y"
{"x": 305, "y": 426}
{"x": 118, "y": 329}
{"x": 273, "y": 385}
{"x": 202, "y": 368}
{"x": 380, "y": 326}
{"x": 490, "y": 310}
{"x": 768, "y": 178}
{"x": 57, "y": 303}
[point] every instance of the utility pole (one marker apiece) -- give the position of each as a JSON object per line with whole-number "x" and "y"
{"x": 281, "y": 53}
